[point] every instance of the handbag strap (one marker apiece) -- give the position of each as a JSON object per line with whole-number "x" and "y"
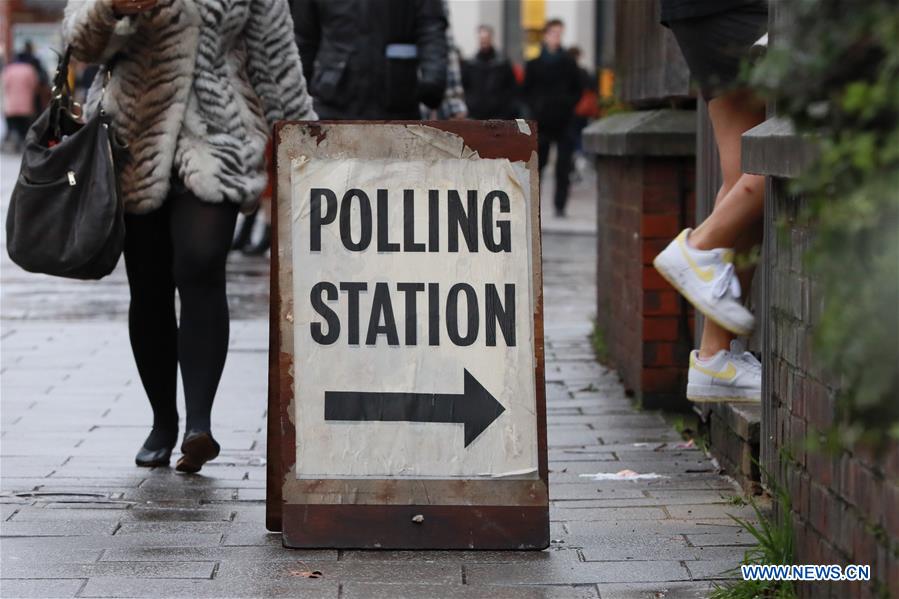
{"x": 61, "y": 93}
{"x": 61, "y": 96}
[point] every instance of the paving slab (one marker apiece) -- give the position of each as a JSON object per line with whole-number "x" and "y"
{"x": 432, "y": 573}
{"x": 167, "y": 569}
{"x": 479, "y": 557}
{"x": 564, "y": 572}
{"x": 685, "y": 590}
{"x": 40, "y": 589}
{"x": 217, "y": 553}
{"x": 355, "y": 590}
{"x": 126, "y": 588}
{"x": 51, "y": 528}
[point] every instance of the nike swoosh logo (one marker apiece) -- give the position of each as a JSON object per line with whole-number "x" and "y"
{"x": 725, "y": 375}
{"x": 705, "y": 274}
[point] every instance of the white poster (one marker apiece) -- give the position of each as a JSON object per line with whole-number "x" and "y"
{"x": 413, "y": 319}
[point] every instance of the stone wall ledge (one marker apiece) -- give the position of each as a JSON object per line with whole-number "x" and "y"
{"x": 734, "y": 434}
{"x": 774, "y": 148}
{"x": 661, "y": 132}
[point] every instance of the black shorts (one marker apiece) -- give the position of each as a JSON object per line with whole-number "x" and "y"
{"x": 716, "y": 45}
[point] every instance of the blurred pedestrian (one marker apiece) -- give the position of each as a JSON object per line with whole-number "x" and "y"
{"x": 194, "y": 89}
{"x": 372, "y": 60}
{"x": 453, "y": 105}
{"x": 491, "y": 90}
{"x": 42, "y": 95}
{"x": 715, "y": 38}
{"x": 20, "y": 87}
{"x": 552, "y": 88}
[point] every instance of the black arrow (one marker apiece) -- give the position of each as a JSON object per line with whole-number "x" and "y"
{"x": 475, "y": 407}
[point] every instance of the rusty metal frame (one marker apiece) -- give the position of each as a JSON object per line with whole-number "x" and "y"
{"x": 378, "y": 513}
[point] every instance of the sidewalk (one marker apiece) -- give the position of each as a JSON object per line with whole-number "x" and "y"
{"x": 80, "y": 520}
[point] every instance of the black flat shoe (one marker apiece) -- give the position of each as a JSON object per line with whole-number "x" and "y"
{"x": 149, "y": 458}
{"x": 198, "y": 448}
{"x": 244, "y": 231}
{"x": 261, "y": 246}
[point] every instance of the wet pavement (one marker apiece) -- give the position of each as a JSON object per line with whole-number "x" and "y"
{"x": 80, "y": 520}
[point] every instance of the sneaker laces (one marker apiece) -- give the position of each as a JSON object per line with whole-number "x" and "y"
{"x": 726, "y": 281}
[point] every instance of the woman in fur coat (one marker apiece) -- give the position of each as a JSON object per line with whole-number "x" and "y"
{"x": 193, "y": 88}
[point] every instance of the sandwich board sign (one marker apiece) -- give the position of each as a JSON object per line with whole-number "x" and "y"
{"x": 406, "y": 404}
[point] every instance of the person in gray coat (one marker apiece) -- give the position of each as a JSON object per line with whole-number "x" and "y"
{"x": 193, "y": 88}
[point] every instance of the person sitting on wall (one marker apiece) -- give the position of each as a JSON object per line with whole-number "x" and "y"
{"x": 715, "y": 37}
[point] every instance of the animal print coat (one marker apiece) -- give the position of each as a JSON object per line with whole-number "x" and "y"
{"x": 194, "y": 89}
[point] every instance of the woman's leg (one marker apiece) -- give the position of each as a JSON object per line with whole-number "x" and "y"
{"x": 735, "y": 222}
{"x": 201, "y": 237}
{"x": 151, "y": 319}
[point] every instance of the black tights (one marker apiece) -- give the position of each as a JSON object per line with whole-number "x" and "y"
{"x": 183, "y": 245}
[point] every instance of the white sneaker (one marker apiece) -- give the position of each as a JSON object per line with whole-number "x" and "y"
{"x": 733, "y": 376}
{"x": 706, "y": 278}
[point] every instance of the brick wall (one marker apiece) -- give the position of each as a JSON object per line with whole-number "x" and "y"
{"x": 643, "y": 203}
{"x": 846, "y": 506}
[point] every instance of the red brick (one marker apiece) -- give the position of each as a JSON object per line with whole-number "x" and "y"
{"x": 798, "y": 405}
{"x": 864, "y": 545}
{"x": 662, "y": 380}
{"x": 651, "y": 248}
{"x": 818, "y": 404}
{"x": 804, "y": 491}
{"x": 892, "y": 578}
{"x": 653, "y": 280}
{"x": 820, "y": 465}
{"x": 819, "y": 504}
{"x": 665, "y": 226}
{"x": 890, "y": 461}
{"x": 664, "y": 172}
{"x": 663, "y": 328}
{"x": 873, "y": 507}
{"x": 661, "y": 354}
{"x": 797, "y": 434}
{"x": 661, "y": 199}
{"x": 661, "y": 303}
{"x": 859, "y": 484}
{"x": 891, "y": 513}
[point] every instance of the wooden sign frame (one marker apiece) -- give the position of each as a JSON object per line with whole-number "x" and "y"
{"x": 396, "y": 513}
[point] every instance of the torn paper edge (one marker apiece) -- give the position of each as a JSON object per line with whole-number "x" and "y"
{"x": 523, "y": 126}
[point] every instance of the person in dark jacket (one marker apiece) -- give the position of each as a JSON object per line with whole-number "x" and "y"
{"x": 490, "y": 87}
{"x": 372, "y": 60}
{"x": 552, "y": 88}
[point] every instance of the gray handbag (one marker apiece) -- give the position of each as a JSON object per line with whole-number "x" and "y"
{"x": 65, "y": 216}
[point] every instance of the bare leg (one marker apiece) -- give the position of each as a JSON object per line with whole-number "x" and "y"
{"x": 736, "y": 219}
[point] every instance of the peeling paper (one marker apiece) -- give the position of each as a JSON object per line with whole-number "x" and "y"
{"x": 513, "y": 473}
{"x": 622, "y": 475}
{"x": 523, "y": 126}
{"x": 450, "y": 143}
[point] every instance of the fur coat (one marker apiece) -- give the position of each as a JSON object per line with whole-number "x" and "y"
{"x": 195, "y": 87}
